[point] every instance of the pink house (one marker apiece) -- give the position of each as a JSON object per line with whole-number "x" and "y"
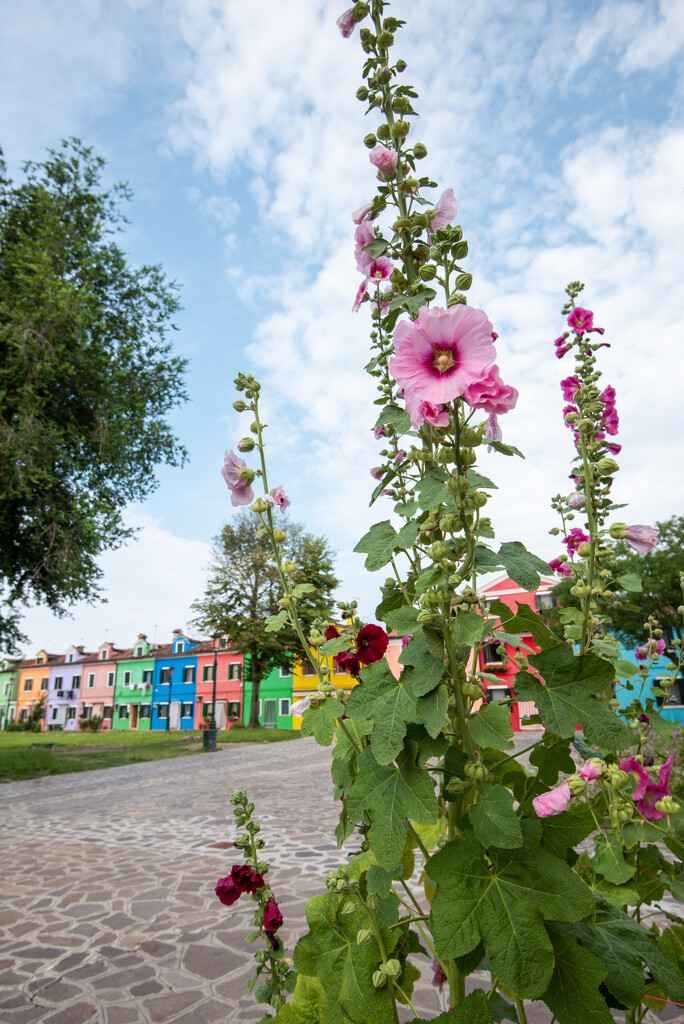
{"x": 98, "y": 676}
{"x": 229, "y": 683}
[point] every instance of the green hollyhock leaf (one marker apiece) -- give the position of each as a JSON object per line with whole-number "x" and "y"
{"x": 403, "y": 620}
{"x": 494, "y": 821}
{"x": 390, "y": 796}
{"x": 660, "y": 725}
{"x": 307, "y": 1004}
{"x": 481, "y": 481}
{"x": 625, "y": 669}
{"x": 469, "y": 628}
{"x": 431, "y": 710}
{"x": 609, "y": 861}
{"x": 504, "y": 901}
{"x": 672, "y": 945}
{"x": 630, "y": 581}
{"x": 454, "y": 763}
{"x": 505, "y": 449}
{"x": 428, "y": 578}
{"x": 399, "y": 418}
{"x": 551, "y": 761}
{"x": 573, "y": 995}
{"x": 390, "y": 703}
{"x": 432, "y": 488}
{"x": 521, "y": 565}
{"x": 423, "y": 670}
{"x": 330, "y": 954}
{"x": 379, "y": 881}
{"x": 623, "y": 946}
{"x": 491, "y": 726}
{"x": 382, "y": 540}
{"x": 569, "y": 696}
{"x": 320, "y": 721}
{"x": 336, "y": 644}
{"x": 562, "y": 832}
{"x": 639, "y": 831}
{"x": 525, "y": 620}
{"x": 473, "y": 1010}
{"x": 502, "y": 1010}
{"x": 275, "y": 622}
{"x": 621, "y": 896}
{"x": 649, "y": 881}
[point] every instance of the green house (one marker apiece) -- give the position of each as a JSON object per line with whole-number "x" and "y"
{"x": 133, "y": 687}
{"x": 9, "y": 681}
{"x": 275, "y": 698}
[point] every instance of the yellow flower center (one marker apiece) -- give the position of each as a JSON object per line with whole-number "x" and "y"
{"x": 443, "y": 361}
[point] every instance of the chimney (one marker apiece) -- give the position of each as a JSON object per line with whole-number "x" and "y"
{"x": 177, "y": 632}
{"x": 142, "y": 636}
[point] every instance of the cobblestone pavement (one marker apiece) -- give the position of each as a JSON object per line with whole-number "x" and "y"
{"x": 109, "y": 913}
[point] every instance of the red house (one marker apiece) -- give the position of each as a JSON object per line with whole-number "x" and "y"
{"x": 229, "y": 682}
{"x": 503, "y": 589}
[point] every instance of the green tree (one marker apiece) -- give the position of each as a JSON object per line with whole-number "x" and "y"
{"x": 244, "y": 589}
{"x": 661, "y": 593}
{"x": 87, "y": 375}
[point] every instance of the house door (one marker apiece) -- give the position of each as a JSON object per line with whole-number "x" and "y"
{"x": 135, "y": 711}
{"x": 270, "y": 708}
{"x": 174, "y": 713}
{"x": 220, "y": 714}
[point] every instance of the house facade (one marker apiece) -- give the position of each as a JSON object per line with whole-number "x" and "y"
{"x": 9, "y": 683}
{"x": 173, "y": 690}
{"x": 98, "y": 685}
{"x": 64, "y": 691}
{"x": 33, "y": 682}
{"x": 133, "y": 686}
{"x": 229, "y": 683}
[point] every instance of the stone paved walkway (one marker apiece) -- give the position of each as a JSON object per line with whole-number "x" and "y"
{"x": 109, "y": 913}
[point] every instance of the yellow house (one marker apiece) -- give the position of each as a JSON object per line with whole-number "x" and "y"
{"x": 305, "y": 682}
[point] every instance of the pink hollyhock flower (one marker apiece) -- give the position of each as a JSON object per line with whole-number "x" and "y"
{"x": 400, "y": 456}
{"x": 360, "y": 296}
{"x": 363, "y": 236}
{"x": 490, "y": 393}
{"x": 642, "y": 538}
{"x": 241, "y": 491}
{"x": 589, "y": 772}
{"x": 300, "y": 706}
{"x": 553, "y": 802}
{"x": 371, "y": 643}
{"x": 377, "y": 472}
{"x": 493, "y": 430}
{"x": 346, "y": 23}
{"x": 385, "y": 160}
{"x": 574, "y": 539}
{"x": 569, "y": 387}
{"x": 379, "y": 431}
{"x": 279, "y": 498}
{"x": 647, "y": 793}
{"x": 651, "y": 649}
{"x": 445, "y": 211}
{"x": 424, "y": 412}
{"x": 561, "y": 347}
{"x": 227, "y": 891}
{"x": 613, "y": 448}
{"x": 379, "y": 269}
{"x": 581, "y": 320}
{"x": 577, "y": 500}
{"x": 562, "y": 567}
{"x": 405, "y": 639}
{"x": 363, "y": 213}
{"x": 442, "y": 352}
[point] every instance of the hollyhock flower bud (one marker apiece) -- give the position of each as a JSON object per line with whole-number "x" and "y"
{"x": 385, "y": 160}
{"x": 553, "y": 802}
{"x": 584, "y": 549}
{"x": 607, "y": 466}
{"x": 363, "y": 212}
{"x": 576, "y": 500}
{"x": 420, "y": 151}
{"x": 581, "y": 320}
{"x": 227, "y": 891}
{"x": 246, "y": 444}
{"x": 561, "y": 347}
{"x": 377, "y": 472}
{"x": 239, "y": 405}
{"x": 592, "y": 769}
{"x": 273, "y": 919}
{"x": 260, "y": 505}
{"x": 577, "y": 785}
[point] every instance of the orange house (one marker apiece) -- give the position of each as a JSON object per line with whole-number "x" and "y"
{"x": 34, "y": 676}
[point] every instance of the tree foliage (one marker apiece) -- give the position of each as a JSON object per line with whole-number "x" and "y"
{"x": 87, "y": 375}
{"x": 244, "y": 589}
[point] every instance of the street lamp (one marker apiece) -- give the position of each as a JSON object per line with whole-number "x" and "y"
{"x": 209, "y": 738}
{"x": 168, "y": 710}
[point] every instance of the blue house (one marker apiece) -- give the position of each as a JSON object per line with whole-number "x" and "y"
{"x": 673, "y": 709}
{"x": 174, "y": 683}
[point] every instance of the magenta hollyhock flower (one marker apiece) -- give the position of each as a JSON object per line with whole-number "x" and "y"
{"x": 553, "y": 802}
{"x": 651, "y": 649}
{"x": 241, "y": 491}
{"x": 647, "y": 793}
{"x": 371, "y": 643}
{"x": 363, "y": 236}
{"x": 438, "y": 976}
{"x": 642, "y": 538}
{"x": 346, "y": 23}
{"x": 405, "y": 639}
{"x": 562, "y": 567}
{"x": 581, "y": 320}
{"x": 385, "y": 160}
{"x": 361, "y": 295}
{"x": 246, "y": 879}
{"x": 227, "y": 891}
{"x": 574, "y": 539}
{"x": 379, "y": 431}
{"x": 569, "y": 386}
{"x": 379, "y": 269}
{"x": 589, "y": 772}
{"x": 400, "y": 456}
{"x": 363, "y": 213}
{"x": 424, "y": 412}
{"x": 561, "y": 347}
{"x": 490, "y": 393}
{"x": 613, "y": 448}
{"x": 279, "y": 498}
{"x": 377, "y": 472}
{"x": 300, "y": 706}
{"x": 348, "y": 662}
{"x": 442, "y": 352}
{"x": 445, "y": 211}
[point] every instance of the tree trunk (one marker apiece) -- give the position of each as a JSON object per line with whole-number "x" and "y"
{"x": 255, "y": 675}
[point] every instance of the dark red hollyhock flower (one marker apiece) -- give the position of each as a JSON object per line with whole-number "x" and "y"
{"x": 246, "y": 879}
{"x": 371, "y": 644}
{"x": 227, "y": 891}
{"x": 348, "y": 662}
{"x": 331, "y": 632}
{"x": 272, "y": 921}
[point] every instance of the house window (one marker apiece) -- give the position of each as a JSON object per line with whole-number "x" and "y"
{"x": 163, "y": 711}
{"x": 285, "y": 672}
{"x": 110, "y": 679}
{"x": 70, "y": 658}
{"x": 497, "y": 693}
{"x": 59, "y": 682}
{"x": 178, "y": 647}
{"x": 260, "y": 703}
{"x": 223, "y": 643}
{"x": 186, "y": 710}
{"x": 206, "y": 710}
{"x": 28, "y": 685}
{"x": 284, "y": 707}
{"x": 123, "y": 711}
{"x": 338, "y": 670}
{"x": 233, "y": 708}
{"x": 107, "y": 711}
{"x": 8, "y": 689}
{"x": 91, "y": 680}
{"x": 208, "y": 673}
{"x": 491, "y": 656}
{"x": 76, "y": 683}
{"x": 40, "y": 660}
{"x": 138, "y": 653}
{"x": 127, "y": 679}
{"x": 44, "y": 684}
{"x": 85, "y": 711}
{"x": 147, "y": 675}
{"x": 165, "y": 676}
{"x": 145, "y": 710}
{"x": 23, "y": 712}
{"x": 54, "y": 714}
{"x": 235, "y": 670}
{"x": 542, "y": 601}
{"x": 307, "y": 669}
{"x": 189, "y": 674}
{"x": 71, "y": 712}
{"x": 103, "y": 655}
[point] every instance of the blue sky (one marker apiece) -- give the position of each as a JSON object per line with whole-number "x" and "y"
{"x": 559, "y": 127}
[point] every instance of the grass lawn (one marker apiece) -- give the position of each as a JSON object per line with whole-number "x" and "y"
{"x": 29, "y": 755}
